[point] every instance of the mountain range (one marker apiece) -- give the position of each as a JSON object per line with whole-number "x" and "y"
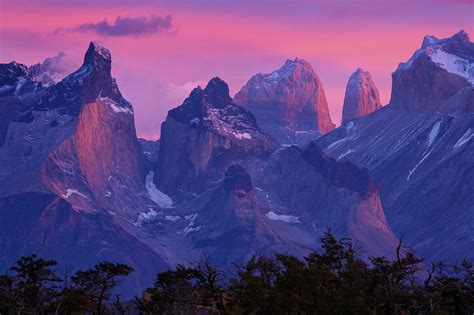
{"x": 263, "y": 172}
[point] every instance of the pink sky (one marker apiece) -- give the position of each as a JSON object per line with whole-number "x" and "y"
{"x": 156, "y": 69}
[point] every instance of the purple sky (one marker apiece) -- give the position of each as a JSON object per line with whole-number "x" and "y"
{"x": 163, "y": 49}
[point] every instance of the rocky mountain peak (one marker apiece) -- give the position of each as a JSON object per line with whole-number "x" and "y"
{"x": 362, "y": 96}
{"x": 435, "y": 73}
{"x": 92, "y": 81}
{"x": 291, "y": 68}
{"x": 212, "y": 108}
{"x": 10, "y": 72}
{"x": 217, "y": 92}
{"x": 289, "y": 103}
{"x": 15, "y": 80}
{"x": 97, "y": 55}
{"x": 204, "y": 136}
{"x": 461, "y": 36}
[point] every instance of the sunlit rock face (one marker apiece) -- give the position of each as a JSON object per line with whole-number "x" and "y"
{"x": 73, "y": 170}
{"x": 289, "y": 103}
{"x": 362, "y": 96}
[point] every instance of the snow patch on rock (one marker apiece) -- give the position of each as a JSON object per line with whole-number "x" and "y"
{"x": 282, "y": 217}
{"x": 158, "y": 197}
{"x": 418, "y": 164}
{"x": 433, "y": 133}
{"x": 70, "y": 192}
{"x": 146, "y": 216}
{"x": 190, "y": 227}
{"x": 453, "y": 64}
{"x": 114, "y": 106}
{"x": 172, "y": 218}
{"x": 468, "y": 135}
{"x": 240, "y": 136}
{"x": 345, "y": 153}
{"x": 195, "y": 122}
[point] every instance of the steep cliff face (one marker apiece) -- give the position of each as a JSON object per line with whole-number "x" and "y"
{"x": 204, "y": 136}
{"x": 237, "y": 195}
{"x": 75, "y": 160}
{"x": 434, "y": 75}
{"x": 289, "y": 103}
{"x": 419, "y": 149}
{"x": 82, "y": 135}
{"x": 362, "y": 96}
{"x": 229, "y": 222}
{"x": 310, "y": 189}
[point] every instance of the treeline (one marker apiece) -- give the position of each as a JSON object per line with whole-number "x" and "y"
{"x": 334, "y": 281}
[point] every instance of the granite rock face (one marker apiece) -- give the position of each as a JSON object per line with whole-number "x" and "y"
{"x": 419, "y": 149}
{"x": 432, "y": 78}
{"x": 237, "y": 193}
{"x": 73, "y": 169}
{"x": 289, "y": 103}
{"x": 284, "y": 206}
{"x": 308, "y": 187}
{"x": 362, "y": 96}
{"x": 204, "y": 136}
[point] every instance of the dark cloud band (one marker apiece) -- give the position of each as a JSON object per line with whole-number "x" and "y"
{"x": 125, "y": 26}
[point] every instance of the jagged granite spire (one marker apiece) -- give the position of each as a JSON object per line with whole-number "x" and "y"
{"x": 289, "y": 103}
{"x": 362, "y": 96}
{"x": 91, "y": 81}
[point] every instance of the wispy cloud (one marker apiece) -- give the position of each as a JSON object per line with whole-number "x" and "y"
{"x": 124, "y": 26}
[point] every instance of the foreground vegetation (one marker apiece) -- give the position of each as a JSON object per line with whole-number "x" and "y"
{"x": 334, "y": 281}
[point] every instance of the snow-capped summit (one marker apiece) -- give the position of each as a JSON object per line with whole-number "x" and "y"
{"x": 15, "y": 80}
{"x": 362, "y": 96}
{"x": 460, "y": 36}
{"x": 454, "y": 54}
{"x": 212, "y": 109}
{"x": 289, "y": 103}
{"x": 435, "y": 74}
{"x": 289, "y": 69}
